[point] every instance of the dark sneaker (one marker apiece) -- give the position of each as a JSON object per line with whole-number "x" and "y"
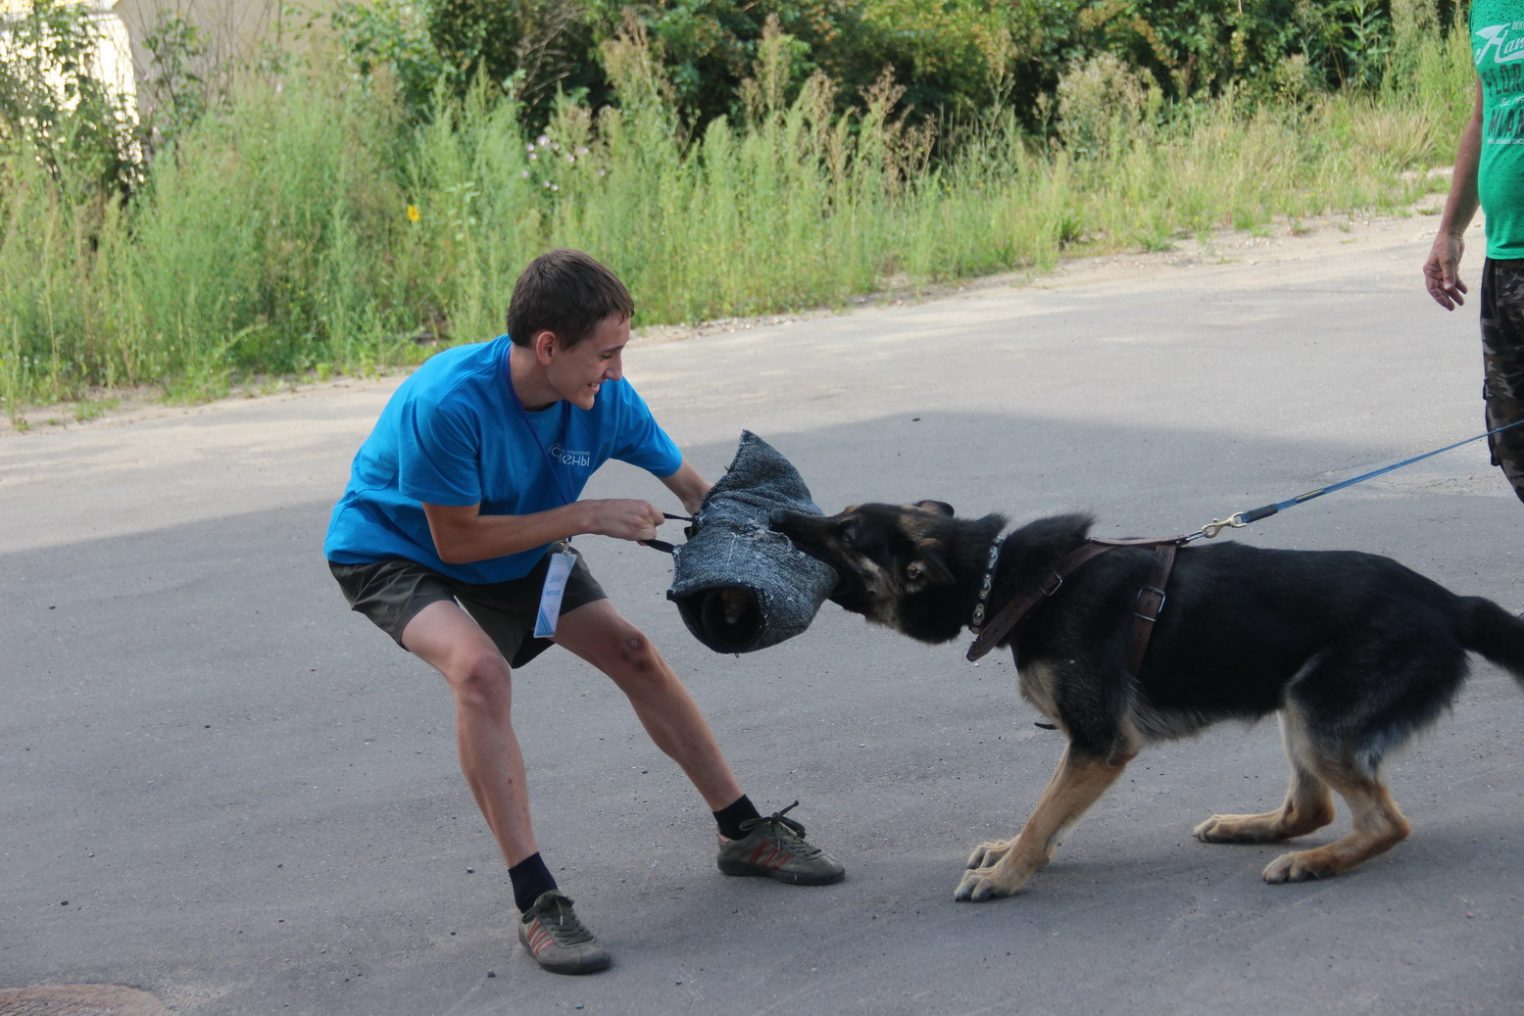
{"x": 557, "y": 940}
{"x": 775, "y": 847}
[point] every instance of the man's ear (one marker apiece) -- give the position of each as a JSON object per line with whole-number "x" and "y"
{"x": 544, "y": 346}
{"x": 936, "y": 507}
{"x": 927, "y": 568}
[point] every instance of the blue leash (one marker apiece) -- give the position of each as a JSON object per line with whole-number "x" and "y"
{"x": 1240, "y": 519}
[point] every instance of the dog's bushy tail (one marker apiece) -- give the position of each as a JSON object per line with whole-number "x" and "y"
{"x": 1490, "y": 630}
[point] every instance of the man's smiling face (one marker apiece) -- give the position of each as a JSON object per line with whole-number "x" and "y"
{"x": 576, "y": 373}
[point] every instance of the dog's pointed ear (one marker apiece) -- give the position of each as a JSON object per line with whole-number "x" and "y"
{"x": 927, "y": 568}
{"x": 936, "y": 507}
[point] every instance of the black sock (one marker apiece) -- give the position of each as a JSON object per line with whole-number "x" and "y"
{"x": 731, "y": 816}
{"x": 530, "y": 878}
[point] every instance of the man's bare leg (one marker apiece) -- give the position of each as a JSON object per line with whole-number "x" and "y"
{"x": 773, "y": 847}
{"x": 445, "y": 636}
{"x": 599, "y": 634}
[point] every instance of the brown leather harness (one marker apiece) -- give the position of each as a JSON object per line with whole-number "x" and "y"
{"x": 1145, "y": 613}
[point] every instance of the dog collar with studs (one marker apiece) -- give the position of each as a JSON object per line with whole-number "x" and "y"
{"x": 977, "y": 623}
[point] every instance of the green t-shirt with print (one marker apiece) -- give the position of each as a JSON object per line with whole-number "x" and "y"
{"x": 1497, "y": 44}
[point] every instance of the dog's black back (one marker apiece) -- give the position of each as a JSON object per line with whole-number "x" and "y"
{"x": 1369, "y": 649}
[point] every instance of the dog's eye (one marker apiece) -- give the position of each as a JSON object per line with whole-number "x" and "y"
{"x": 847, "y": 534}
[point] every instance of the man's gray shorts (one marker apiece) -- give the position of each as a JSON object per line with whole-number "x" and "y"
{"x": 392, "y": 592}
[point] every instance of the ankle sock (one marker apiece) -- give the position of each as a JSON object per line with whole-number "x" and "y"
{"x": 530, "y": 878}
{"x": 732, "y": 815}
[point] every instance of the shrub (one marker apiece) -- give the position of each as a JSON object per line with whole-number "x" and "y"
{"x": 1101, "y": 102}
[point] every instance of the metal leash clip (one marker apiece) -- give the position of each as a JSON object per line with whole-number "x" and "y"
{"x": 1234, "y": 521}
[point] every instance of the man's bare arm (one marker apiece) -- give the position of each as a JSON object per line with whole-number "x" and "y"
{"x": 1441, "y": 270}
{"x": 463, "y": 535}
{"x": 688, "y": 485}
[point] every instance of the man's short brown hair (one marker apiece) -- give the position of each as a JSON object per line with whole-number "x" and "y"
{"x": 566, "y": 292}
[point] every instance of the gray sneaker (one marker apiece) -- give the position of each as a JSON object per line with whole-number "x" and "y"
{"x": 557, "y": 940}
{"x": 775, "y": 847}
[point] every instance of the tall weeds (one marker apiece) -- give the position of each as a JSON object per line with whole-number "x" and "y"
{"x": 303, "y": 229}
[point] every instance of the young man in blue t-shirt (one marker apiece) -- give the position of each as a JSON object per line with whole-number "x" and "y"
{"x": 457, "y": 506}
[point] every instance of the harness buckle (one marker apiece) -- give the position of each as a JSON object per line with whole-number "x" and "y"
{"x": 1058, "y": 583}
{"x": 1155, "y": 607}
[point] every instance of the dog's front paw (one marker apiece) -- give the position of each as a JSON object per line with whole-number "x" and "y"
{"x": 1221, "y": 829}
{"x": 984, "y": 884}
{"x": 1299, "y": 866}
{"x": 986, "y": 854}
{"x": 1262, "y": 828}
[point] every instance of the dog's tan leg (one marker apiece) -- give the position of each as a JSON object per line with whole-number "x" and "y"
{"x": 986, "y": 854}
{"x": 1378, "y": 826}
{"x": 1078, "y": 783}
{"x": 1309, "y": 803}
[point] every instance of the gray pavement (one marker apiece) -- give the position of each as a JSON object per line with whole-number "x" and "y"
{"x": 220, "y": 787}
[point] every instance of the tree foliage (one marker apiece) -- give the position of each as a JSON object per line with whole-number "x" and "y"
{"x": 950, "y": 60}
{"x": 54, "y": 105}
{"x": 951, "y": 57}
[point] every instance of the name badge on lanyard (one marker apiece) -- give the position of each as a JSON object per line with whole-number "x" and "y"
{"x": 563, "y": 557}
{"x": 545, "y": 618}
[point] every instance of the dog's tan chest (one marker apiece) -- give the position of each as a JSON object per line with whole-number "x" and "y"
{"x": 1036, "y": 682}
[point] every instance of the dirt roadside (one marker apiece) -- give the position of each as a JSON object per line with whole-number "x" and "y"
{"x": 1307, "y": 241}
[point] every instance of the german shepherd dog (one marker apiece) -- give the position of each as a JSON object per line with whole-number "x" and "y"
{"x": 1354, "y": 652}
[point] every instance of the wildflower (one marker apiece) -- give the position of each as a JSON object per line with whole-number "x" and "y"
{"x": 542, "y": 140}
{"x": 524, "y": 173}
{"x": 533, "y": 156}
{"x": 412, "y": 213}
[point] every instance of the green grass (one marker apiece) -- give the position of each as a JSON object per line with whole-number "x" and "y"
{"x": 275, "y": 239}
{"x": 89, "y": 409}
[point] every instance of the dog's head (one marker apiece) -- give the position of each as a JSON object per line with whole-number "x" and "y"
{"x": 893, "y": 563}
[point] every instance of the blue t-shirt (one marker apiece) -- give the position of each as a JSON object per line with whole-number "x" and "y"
{"x": 454, "y": 433}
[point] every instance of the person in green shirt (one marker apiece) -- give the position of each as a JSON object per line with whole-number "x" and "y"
{"x": 1489, "y": 172}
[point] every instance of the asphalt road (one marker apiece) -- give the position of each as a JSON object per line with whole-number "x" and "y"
{"x": 219, "y": 786}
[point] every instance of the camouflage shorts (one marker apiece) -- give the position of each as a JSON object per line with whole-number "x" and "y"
{"x": 1503, "y": 364}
